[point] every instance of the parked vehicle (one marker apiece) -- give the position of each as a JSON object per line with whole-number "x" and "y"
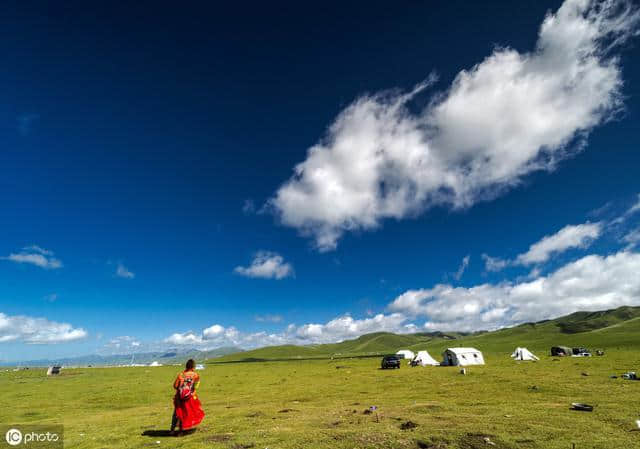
{"x": 561, "y": 351}
{"x": 581, "y": 352}
{"x": 390, "y": 361}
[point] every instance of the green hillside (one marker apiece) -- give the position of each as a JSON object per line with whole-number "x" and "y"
{"x": 587, "y": 321}
{"x": 540, "y": 337}
{"x": 370, "y": 344}
{"x": 617, "y": 328}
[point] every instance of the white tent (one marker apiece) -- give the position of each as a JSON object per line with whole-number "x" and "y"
{"x": 523, "y": 354}
{"x": 155, "y": 364}
{"x": 423, "y": 359}
{"x": 462, "y": 357}
{"x": 409, "y": 355}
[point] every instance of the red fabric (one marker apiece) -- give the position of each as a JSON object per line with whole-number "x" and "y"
{"x": 184, "y": 393}
{"x": 189, "y": 412}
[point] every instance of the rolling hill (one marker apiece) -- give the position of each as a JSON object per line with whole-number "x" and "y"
{"x": 616, "y": 328}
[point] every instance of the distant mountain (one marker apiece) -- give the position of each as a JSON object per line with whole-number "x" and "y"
{"x": 165, "y": 358}
{"x": 605, "y": 329}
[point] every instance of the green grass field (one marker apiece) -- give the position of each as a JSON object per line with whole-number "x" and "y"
{"x": 320, "y": 403}
{"x": 315, "y": 404}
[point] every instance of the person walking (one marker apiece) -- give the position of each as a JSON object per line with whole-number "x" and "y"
{"x": 187, "y": 412}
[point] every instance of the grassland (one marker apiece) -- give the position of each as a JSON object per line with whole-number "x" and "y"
{"x": 321, "y": 403}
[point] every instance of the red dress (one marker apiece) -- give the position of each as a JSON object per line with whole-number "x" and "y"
{"x": 189, "y": 410}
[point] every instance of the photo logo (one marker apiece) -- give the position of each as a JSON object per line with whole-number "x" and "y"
{"x": 13, "y": 437}
{"x": 33, "y": 436}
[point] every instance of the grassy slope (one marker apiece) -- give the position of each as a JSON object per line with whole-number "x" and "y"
{"x": 369, "y": 344}
{"x": 587, "y": 321}
{"x": 519, "y": 404}
{"x": 608, "y": 329}
{"x": 246, "y": 403}
{"x": 540, "y": 338}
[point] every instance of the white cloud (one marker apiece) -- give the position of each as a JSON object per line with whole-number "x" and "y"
{"x": 636, "y": 207}
{"x": 123, "y": 272}
{"x": 248, "y": 207}
{"x": 268, "y": 318}
{"x": 188, "y": 338}
{"x": 590, "y": 283}
{"x": 494, "y": 263}
{"x": 31, "y": 330}
{"x": 632, "y": 238}
{"x": 346, "y": 327}
{"x": 37, "y": 256}
{"x": 510, "y": 115}
{"x": 123, "y": 343}
{"x": 52, "y": 297}
{"x": 38, "y": 249}
{"x": 463, "y": 266}
{"x": 335, "y": 330}
{"x": 212, "y": 332}
{"x": 211, "y": 337}
{"x": 571, "y": 236}
{"x": 267, "y": 265}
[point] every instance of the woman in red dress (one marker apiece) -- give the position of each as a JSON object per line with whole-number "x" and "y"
{"x": 187, "y": 410}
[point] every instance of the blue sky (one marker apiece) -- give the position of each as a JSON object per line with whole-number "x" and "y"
{"x": 224, "y": 175}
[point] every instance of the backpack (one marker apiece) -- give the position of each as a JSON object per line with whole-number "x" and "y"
{"x": 185, "y": 389}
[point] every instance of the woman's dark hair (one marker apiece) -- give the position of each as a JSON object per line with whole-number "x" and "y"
{"x": 191, "y": 364}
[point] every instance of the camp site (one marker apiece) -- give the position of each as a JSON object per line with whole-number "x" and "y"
{"x": 308, "y": 396}
{"x": 363, "y": 224}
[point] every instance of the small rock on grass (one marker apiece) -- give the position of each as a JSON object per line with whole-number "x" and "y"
{"x": 408, "y": 425}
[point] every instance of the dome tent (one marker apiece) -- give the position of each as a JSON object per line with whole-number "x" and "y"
{"x": 423, "y": 358}
{"x": 523, "y": 354}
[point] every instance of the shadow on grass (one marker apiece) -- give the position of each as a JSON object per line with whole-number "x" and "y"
{"x": 165, "y": 433}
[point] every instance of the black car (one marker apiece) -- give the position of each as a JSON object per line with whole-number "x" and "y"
{"x": 390, "y": 361}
